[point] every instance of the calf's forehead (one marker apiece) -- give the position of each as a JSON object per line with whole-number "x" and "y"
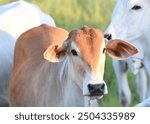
{"x": 87, "y": 38}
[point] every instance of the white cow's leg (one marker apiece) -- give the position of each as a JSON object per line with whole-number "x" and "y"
{"x": 144, "y": 103}
{"x": 141, "y": 82}
{"x": 147, "y": 68}
{"x": 148, "y": 89}
{"x": 120, "y": 68}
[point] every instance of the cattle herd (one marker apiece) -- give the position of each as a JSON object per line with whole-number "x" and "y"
{"x": 43, "y": 65}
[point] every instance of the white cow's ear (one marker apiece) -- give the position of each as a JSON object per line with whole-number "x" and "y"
{"x": 55, "y": 54}
{"x": 120, "y": 50}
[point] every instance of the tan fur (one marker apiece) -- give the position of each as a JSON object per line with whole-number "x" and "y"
{"x": 89, "y": 41}
{"x": 29, "y": 50}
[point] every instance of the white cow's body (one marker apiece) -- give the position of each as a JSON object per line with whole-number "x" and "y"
{"x": 6, "y": 61}
{"x": 20, "y": 16}
{"x": 15, "y": 18}
{"x": 130, "y": 22}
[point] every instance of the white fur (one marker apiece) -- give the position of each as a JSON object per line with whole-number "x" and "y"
{"x": 74, "y": 46}
{"x": 132, "y": 26}
{"x": 144, "y": 103}
{"x": 7, "y": 43}
{"x": 23, "y": 16}
{"x": 88, "y": 102}
{"x": 15, "y": 18}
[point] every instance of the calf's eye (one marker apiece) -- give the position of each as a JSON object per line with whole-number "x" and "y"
{"x": 74, "y": 52}
{"x": 136, "y": 7}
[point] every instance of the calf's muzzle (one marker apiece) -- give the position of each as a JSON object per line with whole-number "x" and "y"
{"x": 96, "y": 89}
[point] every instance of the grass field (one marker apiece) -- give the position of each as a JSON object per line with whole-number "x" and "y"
{"x": 72, "y": 14}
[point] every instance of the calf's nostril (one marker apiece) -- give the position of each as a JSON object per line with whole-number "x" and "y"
{"x": 90, "y": 87}
{"x": 102, "y": 86}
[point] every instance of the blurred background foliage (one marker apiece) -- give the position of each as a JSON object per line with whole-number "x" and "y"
{"x": 72, "y": 14}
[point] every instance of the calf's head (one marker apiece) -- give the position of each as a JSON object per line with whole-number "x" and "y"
{"x": 85, "y": 50}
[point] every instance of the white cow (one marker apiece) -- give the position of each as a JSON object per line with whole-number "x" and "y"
{"x": 20, "y": 16}
{"x": 15, "y": 18}
{"x": 6, "y": 60}
{"x": 73, "y": 72}
{"x": 144, "y": 103}
{"x": 130, "y": 22}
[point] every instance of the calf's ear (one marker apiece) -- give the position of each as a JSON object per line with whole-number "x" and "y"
{"x": 120, "y": 50}
{"x": 55, "y": 54}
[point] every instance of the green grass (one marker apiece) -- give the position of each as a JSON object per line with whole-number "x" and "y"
{"x": 72, "y": 14}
